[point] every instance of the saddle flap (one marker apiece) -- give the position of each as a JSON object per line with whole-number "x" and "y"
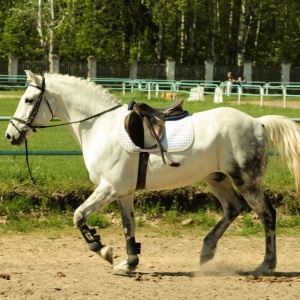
{"x": 145, "y": 131}
{"x": 134, "y": 127}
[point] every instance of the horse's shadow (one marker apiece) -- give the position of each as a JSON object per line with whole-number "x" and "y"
{"x": 213, "y": 273}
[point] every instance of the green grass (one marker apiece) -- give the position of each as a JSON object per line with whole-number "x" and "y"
{"x": 67, "y": 175}
{"x": 98, "y": 220}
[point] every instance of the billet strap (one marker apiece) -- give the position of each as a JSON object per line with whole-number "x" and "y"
{"x": 143, "y": 163}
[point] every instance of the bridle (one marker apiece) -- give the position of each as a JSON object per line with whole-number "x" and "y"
{"x": 31, "y": 118}
{"x": 36, "y": 107}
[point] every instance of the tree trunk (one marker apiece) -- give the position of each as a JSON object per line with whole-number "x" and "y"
{"x": 160, "y": 42}
{"x": 241, "y": 35}
{"x": 182, "y": 37}
{"x": 40, "y": 28}
{"x": 51, "y": 28}
{"x": 213, "y": 34}
{"x": 230, "y": 21}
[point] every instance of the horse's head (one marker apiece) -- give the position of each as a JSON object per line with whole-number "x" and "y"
{"x": 33, "y": 110}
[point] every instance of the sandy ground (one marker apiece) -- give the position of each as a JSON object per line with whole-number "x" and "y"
{"x": 289, "y": 104}
{"x": 60, "y": 266}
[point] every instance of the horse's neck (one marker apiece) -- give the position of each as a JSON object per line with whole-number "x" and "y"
{"x": 77, "y": 100}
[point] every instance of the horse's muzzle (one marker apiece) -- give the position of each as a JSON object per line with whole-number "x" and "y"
{"x": 15, "y": 141}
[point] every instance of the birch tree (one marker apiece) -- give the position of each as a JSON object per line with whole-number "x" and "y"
{"x": 244, "y": 29}
{"x": 40, "y": 26}
{"x": 47, "y": 24}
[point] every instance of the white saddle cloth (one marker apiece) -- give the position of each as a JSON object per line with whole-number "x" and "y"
{"x": 178, "y": 136}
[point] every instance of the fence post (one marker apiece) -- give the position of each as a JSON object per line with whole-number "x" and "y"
{"x": 248, "y": 71}
{"x": 54, "y": 63}
{"x": 170, "y": 69}
{"x": 13, "y": 65}
{"x": 285, "y": 72}
{"x": 209, "y": 70}
{"x": 92, "y": 67}
{"x": 133, "y": 70}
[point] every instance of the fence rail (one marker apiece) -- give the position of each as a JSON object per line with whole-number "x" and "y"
{"x": 66, "y": 152}
{"x": 13, "y": 81}
{"x": 41, "y": 152}
{"x": 254, "y": 88}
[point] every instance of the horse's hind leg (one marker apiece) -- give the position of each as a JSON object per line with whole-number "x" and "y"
{"x": 133, "y": 249}
{"x": 221, "y": 187}
{"x": 267, "y": 214}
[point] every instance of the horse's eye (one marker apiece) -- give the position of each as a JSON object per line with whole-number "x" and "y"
{"x": 27, "y": 100}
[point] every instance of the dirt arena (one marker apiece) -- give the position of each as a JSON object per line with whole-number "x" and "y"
{"x": 289, "y": 104}
{"x": 60, "y": 266}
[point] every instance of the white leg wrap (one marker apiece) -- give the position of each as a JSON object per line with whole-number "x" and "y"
{"x": 106, "y": 253}
{"x": 124, "y": 267}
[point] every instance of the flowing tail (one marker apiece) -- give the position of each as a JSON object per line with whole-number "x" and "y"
{"x": 285, "y": 136}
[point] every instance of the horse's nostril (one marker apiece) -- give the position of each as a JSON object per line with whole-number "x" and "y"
{"x": 8, "y": 136}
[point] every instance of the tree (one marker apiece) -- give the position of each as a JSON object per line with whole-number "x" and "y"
{"x": 19, "y": 37}
{"x": 190, "y": 31}
{"x": 47, "y": 23}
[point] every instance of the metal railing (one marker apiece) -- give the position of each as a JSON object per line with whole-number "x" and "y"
{"x": 65, "y": 152}
{"x": 196, "y": 89}
{"x": 13, "y": 81}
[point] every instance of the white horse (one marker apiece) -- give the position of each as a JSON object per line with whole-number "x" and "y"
{"x": 228, "y": 148}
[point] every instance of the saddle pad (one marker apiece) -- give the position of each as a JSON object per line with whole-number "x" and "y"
{"x": 178, "y": 136}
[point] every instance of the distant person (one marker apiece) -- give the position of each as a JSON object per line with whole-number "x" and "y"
{"x": 230, "y": 81}
{"x": 230, "y": 77}
{"x": 241, "y": 80}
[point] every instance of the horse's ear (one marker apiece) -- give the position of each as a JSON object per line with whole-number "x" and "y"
{"x": 31, "y": 78}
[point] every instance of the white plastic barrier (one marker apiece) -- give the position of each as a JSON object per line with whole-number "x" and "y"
{"x": 197, "y": 94}
{"x": 218, "y": 97}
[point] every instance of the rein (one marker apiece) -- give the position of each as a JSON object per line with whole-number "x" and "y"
{"x": 31, "y": 118}
{"x": 74, "y": 122}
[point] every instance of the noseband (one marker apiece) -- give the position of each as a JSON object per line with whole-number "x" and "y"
{"x": 35, "y": 109}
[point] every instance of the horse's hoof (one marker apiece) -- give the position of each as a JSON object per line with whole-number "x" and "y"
{"x": 106, "y": 253}
{"x": 207, "y": 257}
{"x": 264, "y": 270}
{"x": 124, "y": 268}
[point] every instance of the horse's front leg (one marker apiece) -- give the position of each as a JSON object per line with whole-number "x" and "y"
{"x": 102, "y": 196}
{"x": 133, "y": 249}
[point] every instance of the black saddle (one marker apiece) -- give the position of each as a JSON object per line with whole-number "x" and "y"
{"x": 145, "y": 125}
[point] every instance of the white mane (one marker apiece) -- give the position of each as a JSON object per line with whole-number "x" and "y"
{"x": 83, "y": 90}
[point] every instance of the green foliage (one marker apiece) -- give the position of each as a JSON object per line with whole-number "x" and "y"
{"x": 204, "y": 219}
{"x": 18, "y": 36}
{"x": 189, "y": 31}
{"x": 28, "y": 223}
{"x": 98, "y": 220}
{"x": 250, "y": 226}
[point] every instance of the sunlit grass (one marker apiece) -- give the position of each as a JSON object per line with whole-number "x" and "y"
{"x": 67, "y": 173}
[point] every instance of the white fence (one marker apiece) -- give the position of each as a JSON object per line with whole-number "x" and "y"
{"x": 198, "y": 89}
